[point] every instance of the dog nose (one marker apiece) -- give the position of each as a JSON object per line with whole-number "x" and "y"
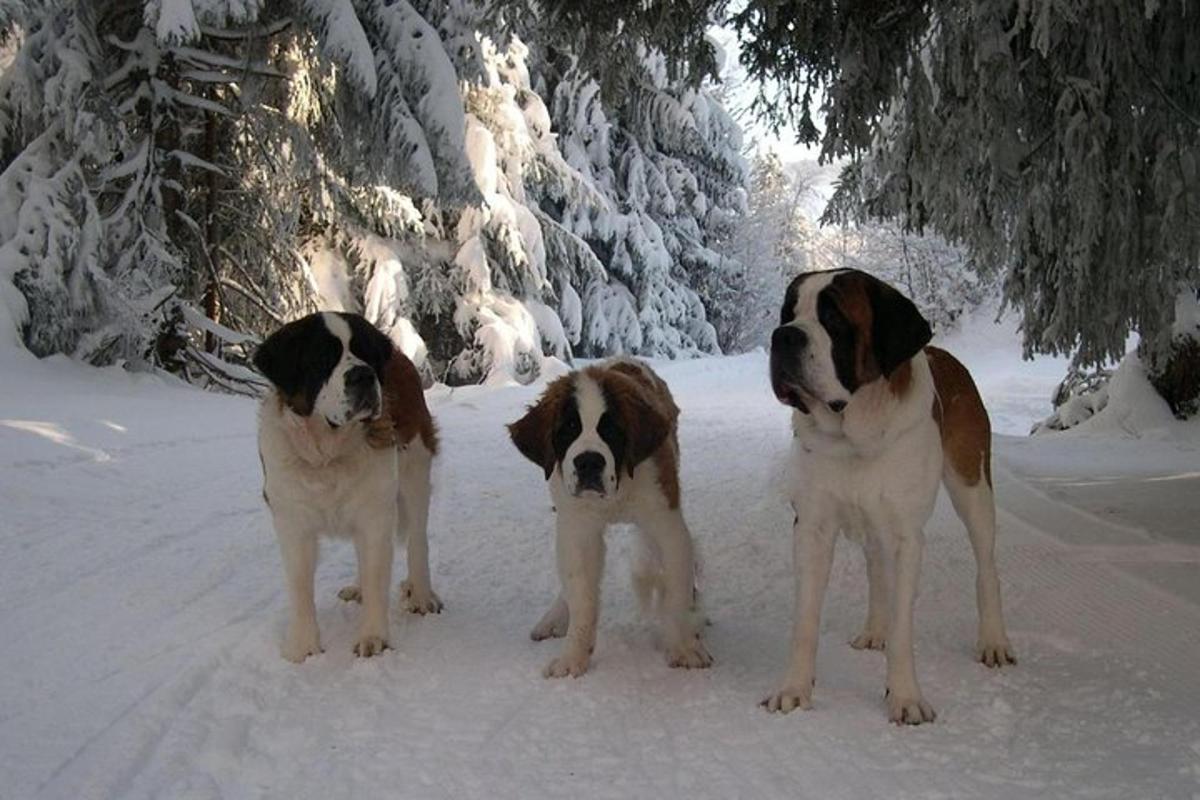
{"x": 359, "y": 377}
{"x": 589, "y": 464}
{"x": 788, "y": 338}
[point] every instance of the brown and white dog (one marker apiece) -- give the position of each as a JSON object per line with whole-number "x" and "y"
{"x": 879, "y": 420}
{"x": 346, "y": 443}
{"x": 605, "y": 438}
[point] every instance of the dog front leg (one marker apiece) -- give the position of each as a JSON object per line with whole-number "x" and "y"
{"x": 905, "y": 702}
{"x": 684, "y": 646}
{"x": 874, "y": 632}
{"x": 812, "y": 560}
{"x": 416, "y": 490}
{"x": 299, "y": 550}
{"x": 374, "y": 548}
{"x": 580, "y": 551}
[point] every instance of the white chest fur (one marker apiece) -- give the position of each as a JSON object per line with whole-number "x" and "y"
{"x": 331, "y": 475}
{"x": 882, "y": 455}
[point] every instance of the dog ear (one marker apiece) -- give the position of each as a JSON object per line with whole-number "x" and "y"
{"x": 369, "y": 343}
{"x": 645, "y": 422}
{"x": 279, "y": 357}
{"x": 533, "y": 434}
{"x": 898, "y": 331}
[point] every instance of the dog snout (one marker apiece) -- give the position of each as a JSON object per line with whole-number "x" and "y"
{"x": 359, "y": 378}
{"x": 589, "y": 464}
{"x": 362, "y": 389}
{"x": 788, "y": 339}
{"x": 589, "y": 472}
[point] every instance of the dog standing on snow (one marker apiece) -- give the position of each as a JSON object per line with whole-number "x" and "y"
{"x": 605, "y": 437}
{"x": 879, "y": 420}
{"x": 346, "y": 443}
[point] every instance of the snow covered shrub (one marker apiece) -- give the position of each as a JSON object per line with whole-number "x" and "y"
{"x": 1080, "y": 395}
{"x": 1171, "y": 370}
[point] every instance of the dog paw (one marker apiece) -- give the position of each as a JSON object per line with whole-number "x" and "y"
{"x": 909, "y": 708}
{"x": 568, "y": 664}
{"x": 369, "y": 645}
{"x": 549, "y": 627}
{"x": 554, "y": 623}
{"x": 869, "y": 640}
{"x": 350, "y": 594}
{"x": 995, "y": 653}
{"x": 690, "y": 655}
{"x": 419, "y": 601}
{"x": 300, "y": 644}
{"x": 788, "y": 699}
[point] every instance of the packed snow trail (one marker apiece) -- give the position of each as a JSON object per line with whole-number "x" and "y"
{"x": 142, "y": 608}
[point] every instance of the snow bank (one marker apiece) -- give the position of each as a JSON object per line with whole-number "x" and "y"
{"x": 1128, "y": 407}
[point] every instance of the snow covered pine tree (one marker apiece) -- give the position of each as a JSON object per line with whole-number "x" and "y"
{"x": 222, "y": 167}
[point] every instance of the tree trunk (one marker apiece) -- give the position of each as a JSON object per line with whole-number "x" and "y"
{"x": 212, "y": 231}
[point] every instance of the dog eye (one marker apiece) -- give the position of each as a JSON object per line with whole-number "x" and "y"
{"x": 607, "y": 426}
{"x": 829, "y": 318}
{"x": 570, "y": 426}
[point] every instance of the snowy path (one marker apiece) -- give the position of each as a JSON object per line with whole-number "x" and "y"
{"x": 141, "y": 608}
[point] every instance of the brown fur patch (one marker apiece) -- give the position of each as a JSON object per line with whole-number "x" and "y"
{"x": 533, "y": 434}
{"x": 901, "y": 379}
{"x": 649, "y": 417}
{"x": 961, "y": 418}
{"x": 405, "y": 414}
{"x": 666, "y": 460}
{"x": 850, "y": 294}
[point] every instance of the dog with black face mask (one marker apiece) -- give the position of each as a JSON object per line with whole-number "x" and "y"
{"x": 346, "y": 443}
{"x": 879, "y": 420}
{"x": 605, "y": 439}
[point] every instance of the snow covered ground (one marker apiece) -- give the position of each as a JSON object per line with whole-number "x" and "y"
{"x": 142, "y": 606}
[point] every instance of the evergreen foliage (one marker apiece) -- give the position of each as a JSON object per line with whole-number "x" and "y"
{"x": 181, "y": 176}
{"x": 1059, "y": 141}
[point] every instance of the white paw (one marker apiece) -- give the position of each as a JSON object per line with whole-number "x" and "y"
{"x": 350, "y": 594}
{"x": 301, "y": 642}
{"x": 869, "y": 640}
{"x": 568, "y": 664}
{"x": 995, "y": 653}
{"x": 909, "y": 708}
{"x": 690, "y": 655}
{"x": 552, "y": 626}
{"x": 419, "y": 601}
{"x": 369, "y": 645}
{"x": 789, "y": 698}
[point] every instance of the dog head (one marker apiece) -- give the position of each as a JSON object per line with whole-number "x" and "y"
{"x": 839, "y": 331}
{"x": 593, "y": 426}
{"x": 327, "y": 365}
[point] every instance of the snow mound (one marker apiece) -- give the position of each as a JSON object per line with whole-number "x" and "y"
{"x": 1127, "y": 407}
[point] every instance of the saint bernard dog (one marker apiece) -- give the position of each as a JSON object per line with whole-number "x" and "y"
{"x": 346, "y": 443}
{"x": 879, "y": 419}
{"x": 605, "y": 438}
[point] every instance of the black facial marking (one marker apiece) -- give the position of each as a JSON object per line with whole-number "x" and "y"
{"x": 842, "y": 335}
{"x": 298, "y": 359}
{"x": 567, "y": 429}
{"x": 613, "y": 435}
{"x": 368, "y": 343}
